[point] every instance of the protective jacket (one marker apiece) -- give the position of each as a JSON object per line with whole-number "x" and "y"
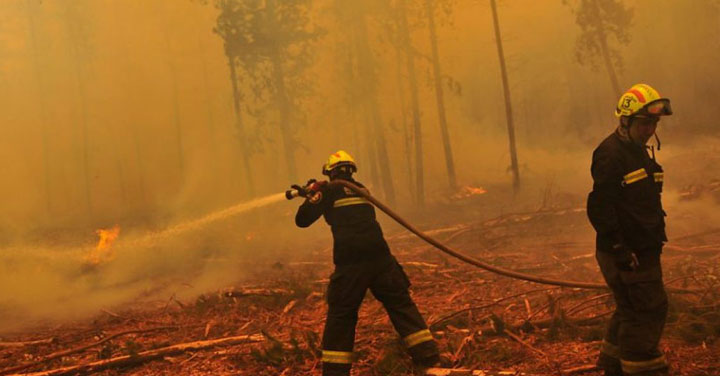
{"x": 357, "y": 236}
{"x": 624, "y": 205}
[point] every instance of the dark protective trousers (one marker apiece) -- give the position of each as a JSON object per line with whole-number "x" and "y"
{"x": 633, "y": 335}
{"x": 389, "y": 284}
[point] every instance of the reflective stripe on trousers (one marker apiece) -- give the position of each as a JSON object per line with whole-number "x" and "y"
{"x": 339, "y": 357}
{"x": 418, "y": 338}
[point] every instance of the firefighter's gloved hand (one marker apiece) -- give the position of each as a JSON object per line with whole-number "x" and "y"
{"x": 625, "y": 258}
{"x": 314, "y": 186}
{"x": 302, "y": 192}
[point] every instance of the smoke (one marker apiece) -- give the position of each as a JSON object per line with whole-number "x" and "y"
{"x": 189, "y": 258}
{"x": 130, "y": 120}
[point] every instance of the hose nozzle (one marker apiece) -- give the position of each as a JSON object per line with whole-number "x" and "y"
{"x": 291, "y": 194}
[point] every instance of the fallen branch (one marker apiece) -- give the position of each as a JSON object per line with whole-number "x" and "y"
{"x": 580, "y": 369}
{"x": 586, "y": 321}
{"x": 495, "y": 302}
{"x": 699, "y": 250}
{"x": 698, "y": 234}
{"x": 420, "y": 264}
{"x": 577, "y": 306}
{"x": 235, "y": 293}
{"x": 520, "y": 341}
{"x": 145, "y": 356}
{"x": 28, "y": 343}
{"x": 60, "y": 354}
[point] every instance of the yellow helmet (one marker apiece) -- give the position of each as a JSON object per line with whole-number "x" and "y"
{"x": 642, "y": 100}
{"x": 339, "y": 159}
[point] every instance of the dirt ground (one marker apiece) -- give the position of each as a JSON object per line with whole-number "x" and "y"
{"x": 481, "y": 320}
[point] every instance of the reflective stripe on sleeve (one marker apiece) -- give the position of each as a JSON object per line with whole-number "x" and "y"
{"x": 659, "y": 176}
{"x": 634, "y": 176}
{"x": 350, "y": 201}
{"x": 630, "y": 367}
{"x": 341, "y": 357}
{"x": 418, "y": 338}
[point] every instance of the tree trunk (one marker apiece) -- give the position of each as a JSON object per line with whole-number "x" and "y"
{"x": 407, "y": 136}
{"x": 415, "y": 105}
{"x": 139, "y": 163}
{"x": 85, "y": 141}
{"x": 602, "y": 39}
{"x": 508, "y": 107}
{"x": 131, "y": 122}
{"x": 371, "y": 156}
{"x": 180, "y": 149}
{"x": 382, "y": 154}
{"x": 42, "y": 108}
{"x": 239, "y": 127}
{"x": 285, "y": 126}
{"x": 176, "y": 110}
{"x": 208, "y": 94}
{"x": 281, "y": 99}
{"x": 149, "y": 355}
{"x": 212, "y": 133}
{"x": 367, "y": 75}
{"x": 449, "y": 163}
{"x": 82, "y": 95}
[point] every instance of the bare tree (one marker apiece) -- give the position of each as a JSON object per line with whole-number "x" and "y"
{"x": 270, "y": 41}
{"x": 369, "y": 79}
{"x": 508, "y": 103}
{"x": 230, "y": 26}
{"x": 355, "y": 17}
{"x": 348, "y": 78}
{"x": 77, "y": 22}
{"x": 600, "y": 22}
{"x": 440, "y": 99}
{"x": 32, "y": 7}
{"x": 131, "y": 125}
{"x": 405, "y": 42}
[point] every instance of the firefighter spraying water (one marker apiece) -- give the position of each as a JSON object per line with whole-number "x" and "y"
{"x": 362, "y": 261}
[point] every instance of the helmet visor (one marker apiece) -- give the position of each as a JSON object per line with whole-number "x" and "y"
{"x": 660, "y": 107}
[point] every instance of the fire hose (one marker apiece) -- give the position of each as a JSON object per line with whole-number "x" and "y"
{"x": 463, "y": 257}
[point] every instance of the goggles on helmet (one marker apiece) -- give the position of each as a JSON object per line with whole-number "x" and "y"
{"x": 660, "y": 107}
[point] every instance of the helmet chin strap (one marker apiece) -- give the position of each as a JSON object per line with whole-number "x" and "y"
{"x": 657, "y": 139}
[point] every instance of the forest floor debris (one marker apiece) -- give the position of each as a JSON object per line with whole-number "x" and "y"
{"x": 482, "y": 321}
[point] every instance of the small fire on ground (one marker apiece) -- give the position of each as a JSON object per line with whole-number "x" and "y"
{"x": 102, "y": 251}
{"x": 468, "y": 191}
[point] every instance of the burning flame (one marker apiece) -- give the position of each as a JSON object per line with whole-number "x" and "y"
{"x": 102, "y": 250}
{"x": 468, "y": 191}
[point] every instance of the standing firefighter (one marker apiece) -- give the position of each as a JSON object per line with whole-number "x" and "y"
{"x": 625, "y": 209}
{"x": 362, "y": 261}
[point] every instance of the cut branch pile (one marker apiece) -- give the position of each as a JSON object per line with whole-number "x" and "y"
{"x": 483, "y": 322}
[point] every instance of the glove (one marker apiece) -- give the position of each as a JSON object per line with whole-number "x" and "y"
{"x": 313, "y": 186}
{"x": 625, "y": 258}
{"x": 310, "y": 189}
